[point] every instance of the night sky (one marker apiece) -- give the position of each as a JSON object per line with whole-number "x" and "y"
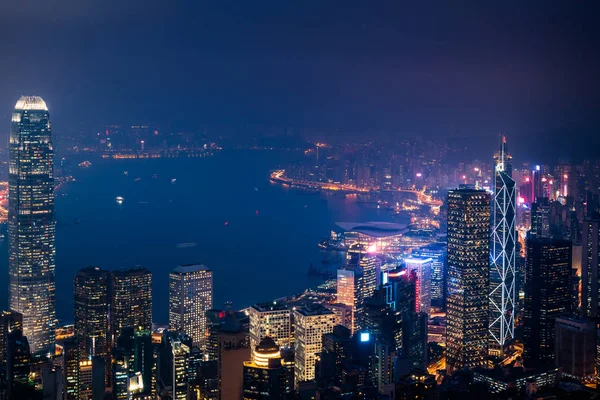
{"x": 526, "y": 68}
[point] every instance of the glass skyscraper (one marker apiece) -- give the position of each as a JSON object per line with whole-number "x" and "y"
{"x": 502, "y": 255}
{"x": 468, "y": 278}
{"x": 131, "y": 300}
{"x": 31, "y": 223}
{"x": 547, "y": 296}
{"x": 190, "y": 296}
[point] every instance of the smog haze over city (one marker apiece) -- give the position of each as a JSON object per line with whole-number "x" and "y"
{"x": 297, "y": 199}
{"x": 331, "y": 69}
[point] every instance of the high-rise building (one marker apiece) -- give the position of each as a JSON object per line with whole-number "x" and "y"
{"x": 540, "y": 218}
{"x": 310, "y": 324}
{"x": 131, "y": 300}
{"x": 265, "y": 376}
{"x": 181, "y": 352}
{"x": 9, "y": 321}
{"x": 422, "y": 268}
{"x": 437, "y": 252}
{"x": 272, "y": 320}
{"x": 31, "y": 222}
{"x": 143, "y": 360}
{"x": 190, "y": 296}
{"x": 502, "y": 300}
{"x": 575, "y": 348}
{"x": 91, "y": 312}
{"x": 547, "y": 296}
{"x": 71, "y": 369}
{"x": 18, "y": 362}
{"x": 590, "y": 259}
{"x": 346, "y": 290}
{"x": 468, "y": 278}
{"x": 227, "y": 344}
{"x": 357, "y": 282}
{"x": 52, "y": 383}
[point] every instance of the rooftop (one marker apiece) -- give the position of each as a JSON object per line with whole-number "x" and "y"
{"x": 314, "y": 309}
{"x": 187, "y": 268}
{"x": 34, "y": 103}
{"x": 270, "y": 306}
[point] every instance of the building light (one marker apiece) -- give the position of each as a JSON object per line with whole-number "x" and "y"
{"x": 364, "y": 336}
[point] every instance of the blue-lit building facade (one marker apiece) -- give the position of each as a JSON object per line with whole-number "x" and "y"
{"x": 437, "y": 253}
{"x": 502, "y": 300}
{"x": 31, "y": 222}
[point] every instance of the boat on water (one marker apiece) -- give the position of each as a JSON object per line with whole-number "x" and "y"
{"x": 120, "y": 200}
{"x": 173, "y": 180}
{"x": 184, "y": 245}
{"x": 125, "y": 173}
{"x": 85, "y": 164}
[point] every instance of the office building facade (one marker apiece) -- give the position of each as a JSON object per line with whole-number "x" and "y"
{"x": 31, "y": 222}
{"x": 190, "y": 296}
{"x": 468, "y": 278}
{"x": 547, "y": 296}
{"x": 270, "y": 320}
{"x": 131, "y": 300}
{"x": 590, "y": 257}
{"x": 310, "y": 324}
{"x": 91, "y": 312}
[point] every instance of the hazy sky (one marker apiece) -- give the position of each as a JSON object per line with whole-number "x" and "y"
{"x": 526, "y": 68}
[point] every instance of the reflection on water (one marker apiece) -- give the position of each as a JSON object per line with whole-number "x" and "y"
{"x": 258, "y": 237}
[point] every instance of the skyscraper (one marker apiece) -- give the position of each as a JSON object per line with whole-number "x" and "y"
{"x": 31, "y": 223}
{"x": 346, "y": 291}
{"x": 311, "y": 323}
{"x": 17, "y": 363}
{"x": 422, "y": 268}
{"x": 437, "y": 252}
{"x": 502, "y": 269}
{"x": 131, "y": 302}
{"x": 357, "y": 282}
{"x": 590, "y": 259}
{"x": 547, "y": 296}
{"x": 9, "y": 321}
{"x": 181, "y": 349}
{"x": 468, "y": 275}
{"x": 272, "y": 320}
{"x": 540, "y": 218}
{"x": 190, "y": 296}
{"x": 265, "y": 376}
{"x": 91, "y": 312}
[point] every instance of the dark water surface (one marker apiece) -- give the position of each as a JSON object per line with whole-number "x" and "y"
{"x": 213, "y": 203}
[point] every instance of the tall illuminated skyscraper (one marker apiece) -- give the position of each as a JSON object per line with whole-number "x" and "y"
{"x": 502, "y": 253}
{"x": 9, "y": 321}
{"x": 468, "y": 278}
{"x": 190, "y": 296}
{"x": 131, "y": 300}
{"x": 547, "y": 296}
{"x": 31, "y": 223}
{"x": 91, "y": 312}
{"x": 422, "y": 268}
{"x": 270, "y": 320}
{"x": 590, "y": 260}
{"x": 311, "y": 323}
{"x": 357, "y": 281}
{"x": 346, "y": 291}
